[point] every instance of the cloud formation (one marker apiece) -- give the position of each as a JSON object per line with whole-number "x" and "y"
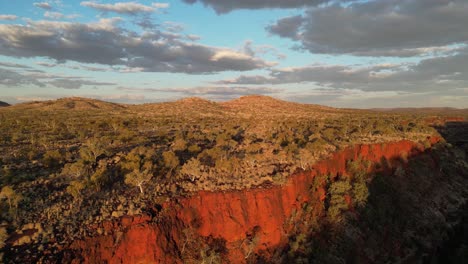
{"x": 9, "y": 78}
{"x": 287, "y": 27}
{"x": 58, "y": 15}
{"x": 355, "y": 98}
{"x": 76, "y": 84}
{"x": 226, "y": 6}
{"x": 426, "y": 75}
{"x": 14, "y": 65}
{"x": 20, "y": 75}
{"x": 325, "y": 75}
{"x": 8, "y": 17}
{"x": 105, "y": 42}
{"x": 397, "y": 28}
{"x": 127, "y": 8}
{"x": 213, "y": 92}
{"x": 43, "y": 5}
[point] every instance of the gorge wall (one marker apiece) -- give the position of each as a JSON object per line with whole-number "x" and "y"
{"x": 235, "y": 224}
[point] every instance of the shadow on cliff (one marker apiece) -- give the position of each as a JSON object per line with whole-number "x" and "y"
{"x": 455, "y": 248}
{"x": 415, "y": 211}
{"x": 455, "y": 133}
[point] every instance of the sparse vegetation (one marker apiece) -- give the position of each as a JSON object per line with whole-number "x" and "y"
{"x": 76, "y": 162}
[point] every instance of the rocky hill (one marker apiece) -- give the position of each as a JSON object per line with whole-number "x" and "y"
{"x": 187, "y": 107}
{"x": 71, "y": 103}
{"x": 3, "y": 104}
{"x": 259, "y": 105}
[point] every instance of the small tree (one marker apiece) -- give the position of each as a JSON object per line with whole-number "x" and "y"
{"x": 338, "y": 205}
{"x": 306, "y": 157}
{"x": 139, "y": 166}
{"x": 191, "y": 169}
{"x": 3, "y": 237}
{"x": 100, "y": 178}
{"x": 12, "y": 197}
{"x": 138, "y": 178}
{"x": 170, "y": 160}
{"x": 74, "y": 189}
{"x": 76, "y": 169}
{"x": 93, "y": 149}
{"x": 179, "y": 144}
{"x": 140, "y": 158}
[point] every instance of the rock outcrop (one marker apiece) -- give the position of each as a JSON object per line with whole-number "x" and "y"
{"x": 255, "y": 221}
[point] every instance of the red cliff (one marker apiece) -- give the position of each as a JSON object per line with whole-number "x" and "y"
{"x": 235, "y": 217}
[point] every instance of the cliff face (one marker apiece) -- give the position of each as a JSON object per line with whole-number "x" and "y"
{"x": 237, "y": 224}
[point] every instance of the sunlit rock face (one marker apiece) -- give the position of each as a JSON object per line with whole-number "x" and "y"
{"x": 246, "y": 223}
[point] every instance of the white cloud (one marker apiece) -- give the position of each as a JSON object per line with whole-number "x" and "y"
{"x": 8, "y": 17}
{"x": 57, "y": 15}
{"x": 160, "y": 5}
{"x": 43, "y": 5}
{"x": 128, "y": 8}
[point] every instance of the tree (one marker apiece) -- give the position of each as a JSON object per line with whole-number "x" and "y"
{"x": 100, "y": 178}
{"x": 191, "y": 169}
{"x": 138, "y": 178}
{"x": 93, "y": 149}
{"x": 306, "y": 157}
{"x": 338, "y": 204}
{"x": 139, "y": 166}
{"x": 360, "y": 191}
{"x": 3, "y": 237}
{"x": 77, "y": 169}
{"x": 179, "y": 144}
{"x": 12, "y": 197}
{"x": 74, "y": 189}
{"x": 140, "y": 158}
{"x": 170, "y": 160}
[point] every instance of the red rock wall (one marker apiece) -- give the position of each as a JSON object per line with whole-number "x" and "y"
{"x": 229, "y": 215}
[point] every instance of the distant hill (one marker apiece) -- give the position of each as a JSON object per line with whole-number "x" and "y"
{"x": 183, "y": 107}
{"x": 259, "y": 106}
{"x": 425, "y": 110}
{"x": 245, "y": 106}
{"x": 71, "y": 103}
{"x": 265, "y": 105}
{"x": 420, "y": 109}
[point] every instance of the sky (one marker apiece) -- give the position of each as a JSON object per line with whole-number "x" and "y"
{"x": 341, "y": 53}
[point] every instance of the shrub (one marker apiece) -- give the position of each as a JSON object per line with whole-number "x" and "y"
{"x": 338, "y": 205}
{"x": 170, "y": 160}
{"x": 75, "y": 188}
{"x": 138, "y": 178}
{"x": 52, "y": 158}
{"x": 11, "y": 195}
{"x": 3, "y": 237}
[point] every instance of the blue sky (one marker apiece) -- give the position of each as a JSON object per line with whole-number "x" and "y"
{"x": 346, "y": 53}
